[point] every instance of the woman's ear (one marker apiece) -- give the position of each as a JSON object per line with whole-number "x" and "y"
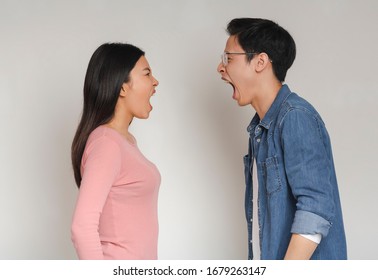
{"x": 125, "y": 87}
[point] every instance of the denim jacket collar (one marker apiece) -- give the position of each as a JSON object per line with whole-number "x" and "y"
{"x": 282, "y": 95}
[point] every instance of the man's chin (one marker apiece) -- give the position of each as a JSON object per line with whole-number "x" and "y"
{"x": 242, "y": 103}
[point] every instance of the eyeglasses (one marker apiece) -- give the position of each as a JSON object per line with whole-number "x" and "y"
{"x": 224, "y": 56}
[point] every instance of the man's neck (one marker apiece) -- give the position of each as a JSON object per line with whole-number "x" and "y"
{"x": 267, "y": 93}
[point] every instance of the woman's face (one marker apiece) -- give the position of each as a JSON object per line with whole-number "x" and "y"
{"x": 138, "y": 91}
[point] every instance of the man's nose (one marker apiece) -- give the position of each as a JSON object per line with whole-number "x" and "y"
{"x": 220, "y": 68}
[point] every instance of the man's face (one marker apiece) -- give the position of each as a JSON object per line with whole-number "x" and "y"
{"x": 238, "y": 72}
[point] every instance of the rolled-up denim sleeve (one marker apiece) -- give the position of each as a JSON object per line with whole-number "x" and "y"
{"x": 308, "y": 168}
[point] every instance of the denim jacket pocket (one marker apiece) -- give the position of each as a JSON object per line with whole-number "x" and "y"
{"x": 271, "y": 175}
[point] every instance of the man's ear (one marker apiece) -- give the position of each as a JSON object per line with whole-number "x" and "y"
{"x": 262, "y": 62}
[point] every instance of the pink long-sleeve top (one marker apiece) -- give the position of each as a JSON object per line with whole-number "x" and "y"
{"x": 116, "y": 210}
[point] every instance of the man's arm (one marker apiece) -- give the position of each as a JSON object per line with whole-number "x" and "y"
{"x": 308, "y": 168}
{"x": 300, "y": 248}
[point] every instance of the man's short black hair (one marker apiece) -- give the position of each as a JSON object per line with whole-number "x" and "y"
{"x": 262, "y": 35}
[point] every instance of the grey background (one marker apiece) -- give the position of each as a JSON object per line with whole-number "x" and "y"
{"x": 196, "y": 133}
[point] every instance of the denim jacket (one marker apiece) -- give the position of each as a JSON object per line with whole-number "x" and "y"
{"x": 297, "y": 185}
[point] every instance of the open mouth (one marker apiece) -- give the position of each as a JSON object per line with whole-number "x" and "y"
{"x": 233, "y": 87}
{"x": 228, "y": 82}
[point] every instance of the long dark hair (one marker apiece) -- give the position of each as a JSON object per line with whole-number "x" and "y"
{"x": 108, "y": 68}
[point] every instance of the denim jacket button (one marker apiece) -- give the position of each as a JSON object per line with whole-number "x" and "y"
{"x": 258, "y": 140}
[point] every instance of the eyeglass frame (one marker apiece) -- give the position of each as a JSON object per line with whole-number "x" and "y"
{"x": 224, "y": 56}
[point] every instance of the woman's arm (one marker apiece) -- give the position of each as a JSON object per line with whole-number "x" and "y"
{"x": 101, "y": 165}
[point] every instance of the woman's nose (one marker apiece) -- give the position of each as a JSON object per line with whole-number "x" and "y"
{"x": 156, "y": 82}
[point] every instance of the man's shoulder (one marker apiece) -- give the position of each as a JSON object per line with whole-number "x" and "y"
{"x": 297, "y": 104}
{"x": 294, "y": 101}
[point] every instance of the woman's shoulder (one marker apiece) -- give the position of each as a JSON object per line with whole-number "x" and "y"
{"x": 103, "y": 147}
{"x": 103, "y": 131}
{"x": 104, "y": 136}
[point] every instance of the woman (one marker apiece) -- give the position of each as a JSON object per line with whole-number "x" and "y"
{"x": 116, "y": 210}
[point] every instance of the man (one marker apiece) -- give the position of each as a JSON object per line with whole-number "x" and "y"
{"x": 299, "y": 210}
